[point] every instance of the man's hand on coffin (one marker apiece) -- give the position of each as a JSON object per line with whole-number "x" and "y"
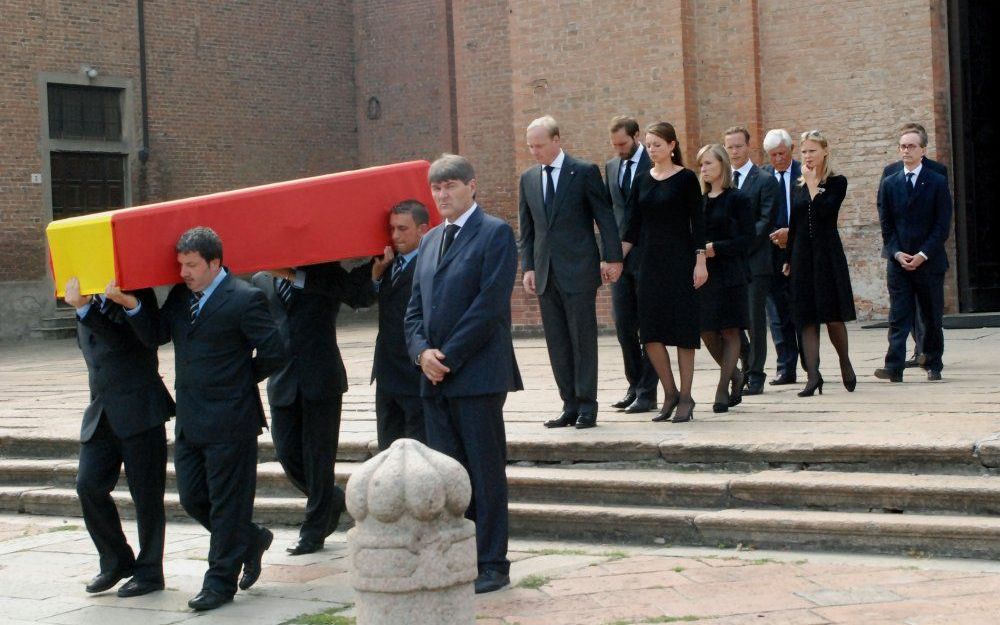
{"x": 114, "y": 293}
{"x": 73, "y": 296}
{"x": 431, "y": 365}
{"x": 285, "y": 272}
{"x": 381, "y": 264}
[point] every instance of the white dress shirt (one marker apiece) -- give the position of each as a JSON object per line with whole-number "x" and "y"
{"x": 747, "y": 166}
{"x": 635, "y": 165}
{"x": 556, "y": 164}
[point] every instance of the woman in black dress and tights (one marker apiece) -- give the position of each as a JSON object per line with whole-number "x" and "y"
{"x": 817, "y": 268}
{"x": 729, "y": 228}
{"x": 668, "y": 227}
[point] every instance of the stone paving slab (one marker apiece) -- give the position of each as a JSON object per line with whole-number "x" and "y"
{"x": 46, "y": 561}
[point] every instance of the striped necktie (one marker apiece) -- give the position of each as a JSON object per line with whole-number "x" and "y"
{"x": 195, "y": 300}
{"x": 397, "y": 268}
{"x": 284, "y": 290}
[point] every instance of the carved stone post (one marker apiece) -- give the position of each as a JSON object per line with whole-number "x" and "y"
{"x": 413, "y": 553}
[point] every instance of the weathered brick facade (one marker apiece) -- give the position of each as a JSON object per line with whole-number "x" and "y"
{"x": 251, "y": 92}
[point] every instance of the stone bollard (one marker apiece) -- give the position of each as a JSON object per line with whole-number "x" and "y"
{"x": 412, "y": 551}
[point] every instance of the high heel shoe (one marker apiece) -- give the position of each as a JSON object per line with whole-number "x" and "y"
{"x": 812, "y": 386}
{"x": 848, "y": 377}
{"x": 736, "y": 394}
{"x": 684, "y": 418}
{"x": 722, "y": 403}
{"x": 667, "y": 410}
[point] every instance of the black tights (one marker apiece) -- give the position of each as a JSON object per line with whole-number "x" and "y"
{"x": 837, "y": 332}
{"x": 724, "y": 346}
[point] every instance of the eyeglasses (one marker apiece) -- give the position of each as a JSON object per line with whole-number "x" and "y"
{"x": 904, "y": 147}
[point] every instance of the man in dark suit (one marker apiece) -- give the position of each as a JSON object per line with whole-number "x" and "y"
{"x": 630, "y": 159}
{"x": 762, "y": 190}
{"x": 306, "y": 395}
{"x": 124, "y": 423}
{"x": 458, "y": 332}
{"x": 918, "y": 359}
{"x": 216, "y": 322}
{"x": 786, "y": 170}
{"x": 560, "y": 200}
{"x": 915, "y": 215}
{"x": 399, "y": 411}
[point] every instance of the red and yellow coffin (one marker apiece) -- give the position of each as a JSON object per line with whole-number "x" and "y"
{"x": 285, "y": 224}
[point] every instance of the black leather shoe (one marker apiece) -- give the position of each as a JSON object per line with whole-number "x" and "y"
{"x": 624, "y": 402}
{"x": 934, "y": 376}
{"x": 252, "y": 565}
{"x": 585, "y": 421}
{"x": 107, "y": 581}
{"x": 640, "y": 405}
{"x": 137, "y": 588}
{"x": 782, "y": 380}
{"x": 566, "y": 419}
{"x": 208, "y": 600}
{"x": 490, "y": 580}
{"x": 754, "y": 387}
{"x": 889, "y": 374}
{"x": 304, "y": 546}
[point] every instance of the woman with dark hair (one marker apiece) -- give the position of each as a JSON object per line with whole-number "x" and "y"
{"x": 729, "y": 228}
{"x": 667, "y": 225}
{"x": 817, "y": 269}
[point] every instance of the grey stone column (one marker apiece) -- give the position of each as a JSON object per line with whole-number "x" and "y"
{"x": 412, "y": 551}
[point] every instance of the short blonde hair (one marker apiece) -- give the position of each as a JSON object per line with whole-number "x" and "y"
{"x": 548, "y": 123}
{"x": 720, "y": 154}
{"x": 817, "y": 136}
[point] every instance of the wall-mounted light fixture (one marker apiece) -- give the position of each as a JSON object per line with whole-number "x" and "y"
{"x": 89, "y": 72}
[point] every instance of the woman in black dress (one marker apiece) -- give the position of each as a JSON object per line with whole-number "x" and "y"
{"x": 667, "y": 225}
{"x": 817, "y": 268}
{"x": 729, "y": 229}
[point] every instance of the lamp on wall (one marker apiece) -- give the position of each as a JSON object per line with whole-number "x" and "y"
{"x": 89, "y": 72}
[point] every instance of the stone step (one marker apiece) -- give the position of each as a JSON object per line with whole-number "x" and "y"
{"x": 707, "y": 450}
{"x": 915, "y": 535}
{"x": 809, "y": 490}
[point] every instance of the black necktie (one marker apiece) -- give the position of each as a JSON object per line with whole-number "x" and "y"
{"x": 550, "y": 191}
{"x": 627, "y": 179}
{"x": 195, "y": 298}
{"x": 284, "y": 290}
{"x": 736, "y": 179}
{"x": 909, "y": 183}
{"x": 397, "y": 268}
{"x": 783, "y": 215}
{"x": 449, "y": 236}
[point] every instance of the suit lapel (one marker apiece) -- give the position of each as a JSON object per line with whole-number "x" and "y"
{"x": 218, "y": 298}
{"x": 465, "y": 235}
{"x": 751, "y": 177}
{"x": 613, "y": 175}
{"x": 921, "y": 182}
{"x": 535, "y": 189}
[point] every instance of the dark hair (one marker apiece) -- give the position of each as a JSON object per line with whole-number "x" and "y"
{"x": 917, "y": 128}
{"x": 732, "y": 130}
{"x": 451, "y": 167}
{"x": 413, "y": 208}
{"x": 626, "y": 123}
{"x": 665, "y": 131}
{"x": 203, "y": 240}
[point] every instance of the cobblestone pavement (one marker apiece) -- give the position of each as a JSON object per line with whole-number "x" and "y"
{"x": 45, "y": 563}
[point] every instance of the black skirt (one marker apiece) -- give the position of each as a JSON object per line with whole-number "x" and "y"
{"x": 724, "y": 307}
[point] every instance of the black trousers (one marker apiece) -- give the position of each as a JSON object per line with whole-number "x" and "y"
{"x": 570, "y": 324}
{"x": 471, "y": 430}
{"x": 910, "y": 291}
{"x": 306, "y": 435}
{"x": 785, "y": 336}
{"x": 217, "y": 483}
{"x": 753, "y": 350}
{"x": 398, "y": 416}
{"x": 145, "y": 458}
{"x": 639, "y": 372}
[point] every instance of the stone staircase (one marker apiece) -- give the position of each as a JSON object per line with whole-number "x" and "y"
{"x": 890, "y": 497}
{"x": 60, "y": 325}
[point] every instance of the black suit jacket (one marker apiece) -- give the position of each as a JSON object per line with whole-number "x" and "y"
{"x": 461, "y": 306}
{"x": 308, "y": 327}
{"x": 762, "y": 190}
{"x": 564, "y": 242}
{"x": 619, "y": 203}
{"x": 125, "y": 382}
{"x": 779, "y": 256}
{"x": 729, "y": 227}
{"x": 216, "y": 369}
{"x": 897, "y": 166}
{"x": 916, "y": 221}
{"x": 392, "y": 366}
